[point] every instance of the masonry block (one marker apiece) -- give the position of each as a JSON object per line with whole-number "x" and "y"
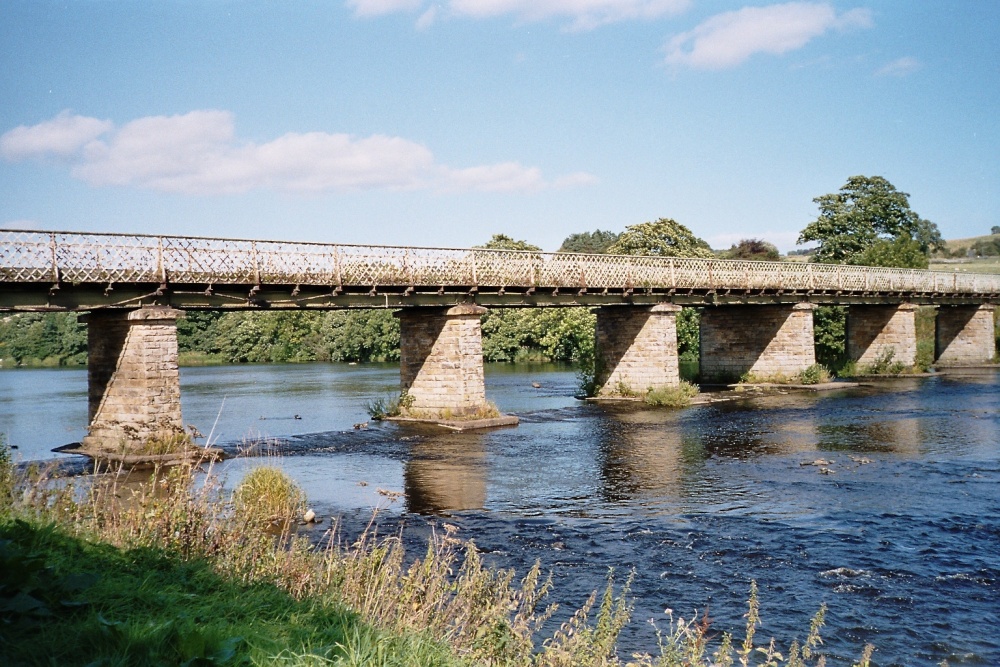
{"x": 964, "y": 335}
{"x": 636, "y": 348}
{"x": 875, "y": 330}
{"x": 441, "y": 360}
{"x": 133, "y": 381}
{"x": 766, "y": 341}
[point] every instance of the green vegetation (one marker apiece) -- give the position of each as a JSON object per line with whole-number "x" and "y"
{"x": 594, "y": 243}
{"x": 664, "y": 238}
{"x": 90, "y": 574}
{"x": 757, "y": 250}
{"x": 671, "y": 397}
{"x": 42, "y": 339}
{"x": 870, "y": 223}
{"x": 268, "y": 496}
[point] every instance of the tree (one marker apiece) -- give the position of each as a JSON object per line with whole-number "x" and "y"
{"x": 668, "y": 238}
{"x": 664, "y": 237}
{"x": 753, "y": 249}
{"x": 995, "y": 229}
{"x": 504, "y": 242}
{"x": 869, "y": 222}
{"x": 595, "y": 242}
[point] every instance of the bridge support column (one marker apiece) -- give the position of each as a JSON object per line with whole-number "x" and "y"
{"x": 134, "y": 391}
{"x": 874, "y": 332}
{"x": 636, "y": 348}
{"x": 441, "y": 361}
{"x": 964, "y": 335}
{"x": 769, "y": 342}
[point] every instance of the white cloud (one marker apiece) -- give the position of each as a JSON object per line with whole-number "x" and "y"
{"x": 900, "y": 67}
{"x": 584, "y": 14}
{"x": 365, "y": 8}
{"x": 199, "y": 153}
{"x": 427, "y": 19}
{"x": 729, "y": 39}
{"x": 62, "y": 136}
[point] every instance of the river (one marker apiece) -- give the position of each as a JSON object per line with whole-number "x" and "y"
{"x": 899, "y": 534}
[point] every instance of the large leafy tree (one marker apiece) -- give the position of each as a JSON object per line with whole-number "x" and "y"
{"x": 753, "y": 249}
{"x": 664, "y": 237}
{"x": 595, "y": 242}
{"x": 668, "y": 238}
{"x": 869, "y": 222}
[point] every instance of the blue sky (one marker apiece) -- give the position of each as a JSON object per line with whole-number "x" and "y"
{"x": 415, "y": 123}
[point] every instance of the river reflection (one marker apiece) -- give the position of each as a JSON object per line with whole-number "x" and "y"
{"x": 446, "y": 474}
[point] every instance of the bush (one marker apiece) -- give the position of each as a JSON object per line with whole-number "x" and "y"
{"x": 267, "y": 495}
{"x": 815, "y": 374}
{"x": 672, "y": 397}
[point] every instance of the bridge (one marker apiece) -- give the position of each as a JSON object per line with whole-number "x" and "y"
{"x": 757, "y": 316}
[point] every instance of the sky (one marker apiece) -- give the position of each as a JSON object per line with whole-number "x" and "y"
{"x": 412, "y": 122}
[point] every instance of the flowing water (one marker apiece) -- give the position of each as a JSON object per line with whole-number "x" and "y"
{"x": 898, "y": 532}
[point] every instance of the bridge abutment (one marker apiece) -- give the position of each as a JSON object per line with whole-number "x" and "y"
{"x": 134, "y": 391}
{"x": 769, "y": 342}
{"x": 874, "y": 332}
{"x": 964, "y": 335}
{"x": 636, "y": 348}
{"x": 441, "y": 361}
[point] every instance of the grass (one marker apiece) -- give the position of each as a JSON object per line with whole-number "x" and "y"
{"x": 672, "y": 397}
{"x": 815, "y": 374}
{"x": 268, "y": 496}
{"x": 172, "y": 574}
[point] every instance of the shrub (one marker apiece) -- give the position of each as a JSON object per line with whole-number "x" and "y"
{"x": 672, "y": 397}
{"x": 267, "y": 495}
{"x": 815, "y": 374}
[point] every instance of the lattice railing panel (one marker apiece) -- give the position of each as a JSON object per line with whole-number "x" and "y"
{"x": 27, "y": 256}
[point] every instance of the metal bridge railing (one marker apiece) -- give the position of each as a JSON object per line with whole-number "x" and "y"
{"x": 69, "y": 257}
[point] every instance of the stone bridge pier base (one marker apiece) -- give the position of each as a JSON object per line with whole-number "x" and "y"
{"x": 134, "y": 391}
{"x": 875, "y": 332}
{"x": 768, "y": 342}
{"x": 636, "y": 348}
{"x": 441, "y": 361}
{"x": 964, "y": 335}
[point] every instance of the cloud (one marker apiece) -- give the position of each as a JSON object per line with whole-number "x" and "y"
{"x": 900, "y": 67}
{"x": 729, "y": 39}
{"x": 199, "y": 153}
{"x": 62, "y": 136}
{"x": 367, "y": 8}
{"x": 583, "y": 14}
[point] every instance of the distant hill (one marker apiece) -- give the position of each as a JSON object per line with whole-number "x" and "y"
{"x": 955, "y": 244}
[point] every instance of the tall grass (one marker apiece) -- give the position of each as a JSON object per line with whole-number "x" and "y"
{"x": 187, "y": 577}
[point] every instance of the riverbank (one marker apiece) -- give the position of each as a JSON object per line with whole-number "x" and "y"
{"x": 171, "y": 572}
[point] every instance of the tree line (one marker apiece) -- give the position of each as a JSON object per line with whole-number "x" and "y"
{"x": 867, "y": 222}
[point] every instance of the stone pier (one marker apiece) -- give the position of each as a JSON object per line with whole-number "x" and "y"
{"x": 636, "y": 348}
{"x": 964, "y": 336}
{"x": 134, "y": 391}
{"x": 769, "y": 342}
{"x": 873, "y": 332}
{"x": 441, "y": 361}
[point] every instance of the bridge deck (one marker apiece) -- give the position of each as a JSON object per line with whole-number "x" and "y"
{"x": 68, "y": 270}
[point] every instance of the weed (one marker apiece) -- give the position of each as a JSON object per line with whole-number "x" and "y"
{"x": 268, "y": 496}
{"x": 815, "y": 374}
{"x": 672, "y": 397}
